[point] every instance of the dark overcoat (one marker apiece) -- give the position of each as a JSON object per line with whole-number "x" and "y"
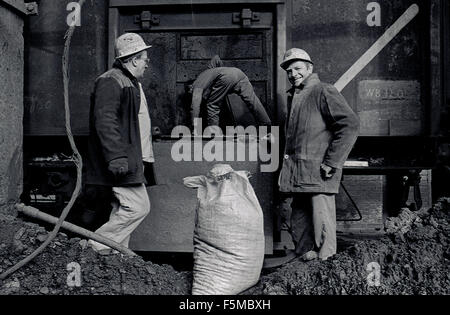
{"x": 321, "y": 128}
{"x": 114, "y": 129}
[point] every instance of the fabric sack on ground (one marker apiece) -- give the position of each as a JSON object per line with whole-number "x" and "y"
{"x": 229, "y": 241}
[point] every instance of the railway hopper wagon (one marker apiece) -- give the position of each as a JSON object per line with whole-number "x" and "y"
{"x": 385, "y": 57}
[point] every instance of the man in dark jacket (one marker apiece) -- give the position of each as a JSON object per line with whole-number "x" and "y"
{"x": 321, "y": 130}
{"x": 120, "y": 140}
{"x": 215, "y": 83}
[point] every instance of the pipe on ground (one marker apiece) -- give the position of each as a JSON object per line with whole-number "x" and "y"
{"x": 35, "y": 213}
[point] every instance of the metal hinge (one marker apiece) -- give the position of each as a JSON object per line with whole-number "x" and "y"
{"x": 147, "y": 20}
{"x": 246, "y": 17}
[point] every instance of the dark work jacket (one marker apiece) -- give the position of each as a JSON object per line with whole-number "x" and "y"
{"x": 320, "y": 128}
{"x": 114, "y": 129}
{"x": 217, "y": 83}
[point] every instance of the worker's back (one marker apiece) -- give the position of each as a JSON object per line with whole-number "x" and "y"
{"x": 221, "y": 76}
{"x": 215, "y": 84}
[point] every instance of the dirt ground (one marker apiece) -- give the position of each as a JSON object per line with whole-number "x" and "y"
{"x": 413, "y": 258}
{"x": 100, "y": 275}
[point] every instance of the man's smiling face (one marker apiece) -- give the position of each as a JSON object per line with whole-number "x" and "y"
{"x": 298, "y": 71}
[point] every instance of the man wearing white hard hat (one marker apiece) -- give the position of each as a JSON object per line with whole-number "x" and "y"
{"x": 120, "y": 140}
{"x": 321, "y": 129}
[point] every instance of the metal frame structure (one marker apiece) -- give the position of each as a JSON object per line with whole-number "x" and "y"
{"x": 20, "y": 6}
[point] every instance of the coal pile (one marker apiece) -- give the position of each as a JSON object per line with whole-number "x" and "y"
{"x": 53, "y": 271}
{"x": 411, "y": 259}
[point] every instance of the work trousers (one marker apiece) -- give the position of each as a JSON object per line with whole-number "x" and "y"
{"x": 244, "y": 89}
{"x": 130, "y": 206}
{"x": 313, "y": 223}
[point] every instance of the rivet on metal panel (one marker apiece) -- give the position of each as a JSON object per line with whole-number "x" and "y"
{"x": 155, "y": 20}
{"x": 32, "y": 8}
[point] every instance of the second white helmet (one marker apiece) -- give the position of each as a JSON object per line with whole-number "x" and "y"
{"x": 293, "y": 55}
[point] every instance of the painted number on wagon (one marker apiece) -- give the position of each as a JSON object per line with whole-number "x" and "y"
{"x": 374, "y": 277}
{"x": 74, "y": 276}
{"x": 74, "y": 17}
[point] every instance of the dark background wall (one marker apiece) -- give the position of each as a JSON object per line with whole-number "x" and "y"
{"x": 336, "y": 34}
{"x": 11, "y": 105}
{"x": 44, "y": 99}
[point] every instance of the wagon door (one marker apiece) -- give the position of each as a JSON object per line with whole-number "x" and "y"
{"x": 184, "y": 39}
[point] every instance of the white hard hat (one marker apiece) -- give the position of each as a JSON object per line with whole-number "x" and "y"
{"x": 293, "y": 55}
{"x": 129, "y": 44}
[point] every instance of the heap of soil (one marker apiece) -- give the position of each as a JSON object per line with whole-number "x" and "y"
{"x": 48, "y": 273}
{"x": 413, "y": 258}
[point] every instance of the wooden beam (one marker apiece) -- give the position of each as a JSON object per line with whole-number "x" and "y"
{"x": 445, "y": 128}
{"x": 377, "y": 47}
{"x": 17, "y": 5}
{"x": 280, "y": 79}
{"x": 30, "y": 8}
{"x": 128, "y": 3}
{"x": 436, "y": 95}
{"x": 113, "y": 29}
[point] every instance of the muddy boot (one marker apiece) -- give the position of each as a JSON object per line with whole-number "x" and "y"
{"x": 311, "y": 255}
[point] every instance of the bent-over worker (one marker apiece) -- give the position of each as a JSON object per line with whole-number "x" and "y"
{"x": 215, "y": 83}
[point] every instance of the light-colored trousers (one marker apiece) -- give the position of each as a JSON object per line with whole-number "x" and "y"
{"x": 130, "y": 207}
{"x": 313, "y": 223}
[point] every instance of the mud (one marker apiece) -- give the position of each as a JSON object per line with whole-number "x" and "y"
{"x": 413, "y": 258}
{"x": 48, "y": 273}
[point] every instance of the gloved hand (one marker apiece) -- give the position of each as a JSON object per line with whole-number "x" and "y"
{"x": 118, "y": 167}
{"x": 326, "y": 171}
